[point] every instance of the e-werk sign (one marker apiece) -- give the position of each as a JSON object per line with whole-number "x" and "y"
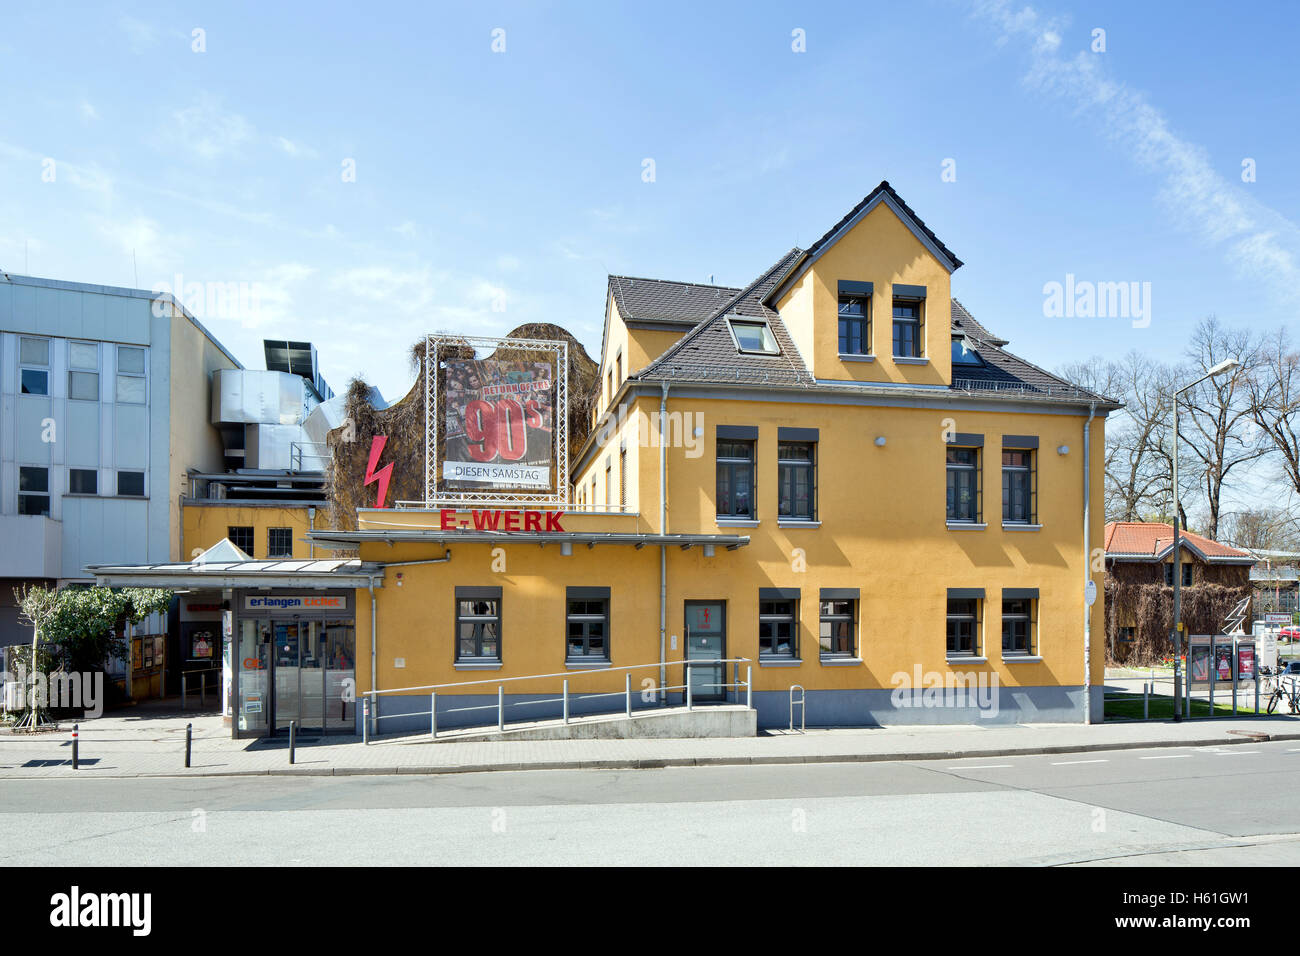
{"x": 509, "y": 520}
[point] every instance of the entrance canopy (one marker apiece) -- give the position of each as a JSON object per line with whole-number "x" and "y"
{"x": 241, "y": 574}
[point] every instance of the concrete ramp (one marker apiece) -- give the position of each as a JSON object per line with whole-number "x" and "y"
{"x": 723, "y": 720}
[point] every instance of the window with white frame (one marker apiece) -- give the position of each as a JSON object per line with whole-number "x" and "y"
{"x": 34, "y": 362}
{"x": 83, "y": 371}
{"x": 131, "y": 389}
{"x": 778, "y": 619}
{"x": 587, "y": 624}
{"x": 33, "y": 490}
{"x": 964, "y": 623}
{"x": 1019, "y": 623}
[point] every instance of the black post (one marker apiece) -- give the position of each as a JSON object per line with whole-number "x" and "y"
{"x": 75, "y": 756}
{"x": 189, "y": 739}
{"x": 293, "y": 738}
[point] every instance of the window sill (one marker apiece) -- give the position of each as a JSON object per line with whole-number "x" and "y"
{"x": 827, "y": 661}
{"x": 966, "y": 526}
{"x": 737, "y": 523}
{"x": 966, "y": 659}
{"x": 780, "y": 661}
{"x": 907, "y": 360}
{"x": 477, "y": 665}
{"x": 588, "y": 664}
{"x": 848, "y": 357}
{"x": 1021, "y": 659}
{"x": 797, "y": 523}
{"x": 1020, "y": 526}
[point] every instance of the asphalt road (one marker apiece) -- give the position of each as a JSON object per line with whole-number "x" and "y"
{"x": 1229, "y": 805}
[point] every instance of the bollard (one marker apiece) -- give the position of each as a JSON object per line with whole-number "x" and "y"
{"x": 627, "y": 682}
{"x": 566, "y": 701}
{"x": 501, "y": 708}
{"x": 76, "y": 760}
{"x": 293, "y": 738}
{"x": 365, "y": 720}
{"x": 433, "y": 714}
{"x": 1146, "y": 701}
{"x": 189, "y": 742}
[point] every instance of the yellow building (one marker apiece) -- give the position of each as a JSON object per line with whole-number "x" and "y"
{"x": 833, "y": 479}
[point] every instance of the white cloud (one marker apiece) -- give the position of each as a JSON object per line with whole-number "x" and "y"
{"x": 294, "y": 149}
{"x": 1260, "y": 242}
{"x": 87, "y": 111}
{"x": 208, "y": 130}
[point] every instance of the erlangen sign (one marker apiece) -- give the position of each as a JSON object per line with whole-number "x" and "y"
{"x": 508, "y": 520}
{"x": 292, "y": 602}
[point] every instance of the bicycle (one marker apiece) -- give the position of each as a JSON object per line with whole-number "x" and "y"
{"x": 1284, "y": 690}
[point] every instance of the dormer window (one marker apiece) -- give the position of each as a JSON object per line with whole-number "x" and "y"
{"x": 753, "y": 335}
{"x": 963, "y": 352}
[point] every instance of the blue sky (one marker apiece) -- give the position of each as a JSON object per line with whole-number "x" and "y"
{"x": 496, "y": 188}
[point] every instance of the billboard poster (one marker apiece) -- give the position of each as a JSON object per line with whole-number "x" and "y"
{"x": 1198, "y": 662}
{"x": 499, "y": 427}
{"x": 1223, "y": 661}
{"x": 1246, "y": 662}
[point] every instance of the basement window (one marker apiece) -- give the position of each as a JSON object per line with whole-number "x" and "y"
{"x": 753, "y": 336}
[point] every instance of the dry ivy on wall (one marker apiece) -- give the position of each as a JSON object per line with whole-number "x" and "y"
{"x": 403, "y": 423}
{"x": 1137, "y": 592}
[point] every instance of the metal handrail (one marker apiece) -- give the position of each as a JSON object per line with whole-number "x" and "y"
{"x": 574, "y": 673}
{"x": 371, "y": 697}
{"x": 803, "y": 710}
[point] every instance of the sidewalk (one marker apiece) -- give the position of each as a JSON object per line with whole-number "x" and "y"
{"x": 154, "y": 746}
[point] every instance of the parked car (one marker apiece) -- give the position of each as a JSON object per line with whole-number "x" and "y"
{"x": 1289, "y": 633}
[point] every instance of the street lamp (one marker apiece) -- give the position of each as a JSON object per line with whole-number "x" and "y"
{"x": 1178, "y": 552}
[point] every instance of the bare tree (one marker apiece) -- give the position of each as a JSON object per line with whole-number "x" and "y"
{"x": 1275, "y": 402}
{"x": 1220, "y": 427}
{"x": 1259, "y": 529}
{"x": 1137, "y": 467}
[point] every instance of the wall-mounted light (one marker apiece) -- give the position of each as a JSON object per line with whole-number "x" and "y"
{"x": 566, "y": 548}
{"x": 1063, "y": 450}
{"x": 708, "y": 550}
{"x": 880, "y": 441}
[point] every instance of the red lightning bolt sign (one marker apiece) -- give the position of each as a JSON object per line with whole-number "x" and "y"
{"x": 383, "y": 475}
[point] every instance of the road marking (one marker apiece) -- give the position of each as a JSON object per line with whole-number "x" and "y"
{"x": 992, "y": 766}
{"x": 1165, "y": 757}
{"x": 1071, "y": 763}
{"x": 1229, "y": 753}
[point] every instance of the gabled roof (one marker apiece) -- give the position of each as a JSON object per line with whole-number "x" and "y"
{"x": 1154, "y": 541}
{"x": 708, "y": 351}
{"x": 659, "y": 300}
{"x": 882, "y": 193}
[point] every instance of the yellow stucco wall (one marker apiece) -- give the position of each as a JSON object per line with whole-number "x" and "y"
{"x": 194, "y": 442}
{"x": 205, "y": 524}
{"x": 879, "y": 249}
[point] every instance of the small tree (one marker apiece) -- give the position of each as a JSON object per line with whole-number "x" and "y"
{"x": 81, "y": 626}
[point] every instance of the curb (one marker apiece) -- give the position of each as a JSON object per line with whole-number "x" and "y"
{"x": 660, "y": 763}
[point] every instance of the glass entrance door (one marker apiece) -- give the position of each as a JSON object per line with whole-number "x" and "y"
{"x": 299, "y": 675}
{"x": 340, "y": 675}
{"x": 706, "y": 640}
{"x": 254, "y": 704}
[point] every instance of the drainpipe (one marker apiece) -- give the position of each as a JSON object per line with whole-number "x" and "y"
{"x": 374, "y": 662}
{"x": 663, "y": 548}
{"x": 311, "y": 526}
{"x": 1087, "y": 561}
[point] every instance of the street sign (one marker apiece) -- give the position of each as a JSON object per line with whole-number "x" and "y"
{"x": 1090, "y": 593}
